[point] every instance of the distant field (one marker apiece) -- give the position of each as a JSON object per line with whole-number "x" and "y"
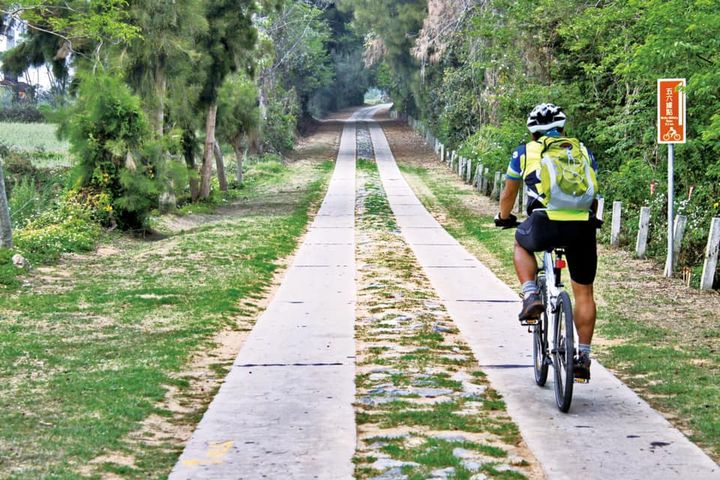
{"x": 38, "y": 138}
{"x": 32, "y": 136}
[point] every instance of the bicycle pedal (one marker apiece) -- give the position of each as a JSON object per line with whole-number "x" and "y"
{"x": 529, "y": 323}
{"x": 582, "y": 380}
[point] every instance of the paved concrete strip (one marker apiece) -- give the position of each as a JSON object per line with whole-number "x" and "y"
{"x": 610, "y": 432}
{"x": 285, "y": 409}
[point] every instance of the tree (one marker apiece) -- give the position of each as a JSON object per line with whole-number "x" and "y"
{"x": 238, "y": 115}
{"x": 227, "y": 45}
{"x": 168, "y": 29}
{"x": 82, "y": 27}
{"x": 301, "y": 60}
{"x": 109, "y": 136}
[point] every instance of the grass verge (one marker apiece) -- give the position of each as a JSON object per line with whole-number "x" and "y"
{"x": 89, "y": 349}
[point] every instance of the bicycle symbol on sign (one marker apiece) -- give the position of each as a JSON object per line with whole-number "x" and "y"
{"x": 672, "y": 135}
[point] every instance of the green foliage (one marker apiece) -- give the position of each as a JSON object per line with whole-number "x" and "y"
{"x": 491, "y": 144}
{"x": 279, "y": 132}
{"x": 238, "y": 113}
{"x": 71, "y": 226}
{"x": 22, "y": 114}
{"x": 598, "y": 60}
{"x": 108, "y": 133}
{"x": 8, "y": 271}
{"x": 27, "y": 200}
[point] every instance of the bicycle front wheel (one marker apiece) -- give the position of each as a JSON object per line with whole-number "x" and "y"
{"x": 563, "y": 352}
{"x": 540, "y": 337}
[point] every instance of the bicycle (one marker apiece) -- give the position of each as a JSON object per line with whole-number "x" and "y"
{"x": 558, "y": 307}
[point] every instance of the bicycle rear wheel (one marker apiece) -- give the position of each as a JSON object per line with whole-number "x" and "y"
{"x": 540, "y": 337}
{"x": 563, "y": 352}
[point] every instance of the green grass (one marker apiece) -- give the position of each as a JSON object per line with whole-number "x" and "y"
{"x": 682, "y": 380}
{"x": 83, "y": 362}
{"x": 32, "y": 136}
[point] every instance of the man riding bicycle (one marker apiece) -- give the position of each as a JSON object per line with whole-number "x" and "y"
{"x": 559, "y": 173}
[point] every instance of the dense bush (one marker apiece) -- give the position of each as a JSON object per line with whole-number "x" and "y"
{"x": 70, "y": 226}
{"x": 22, "y": 113}
{"x": 108, "y": 134}
{"x": 8, "y": 271}
{"x": 279, "y": 130}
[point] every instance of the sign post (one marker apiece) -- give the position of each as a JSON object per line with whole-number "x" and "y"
{"x": 672, "y": 129}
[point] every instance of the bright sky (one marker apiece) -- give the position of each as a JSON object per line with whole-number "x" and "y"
{"x": 35, "y": 76}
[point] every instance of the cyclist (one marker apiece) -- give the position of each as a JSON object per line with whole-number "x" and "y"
{"x": 547, "y": 228}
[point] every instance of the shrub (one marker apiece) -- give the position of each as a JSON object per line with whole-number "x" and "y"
{"x": 279, "y": 129}
{"x": 493, "y": 145}
{"x": 108, "y": 133}
{"x": 8, "y": 271}
{"x": 69, "y": 227}
{"x": 22, "y": 114}
{"x": 27, "y": 200}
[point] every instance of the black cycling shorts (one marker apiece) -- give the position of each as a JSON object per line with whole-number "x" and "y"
{"x": 538, "y": 234}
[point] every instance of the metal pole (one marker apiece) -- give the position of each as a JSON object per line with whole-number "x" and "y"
{"x": 671, "y": 214}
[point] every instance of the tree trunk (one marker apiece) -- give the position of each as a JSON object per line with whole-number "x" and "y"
{"x": 220, "y": 164}
{"x": 160, "y": 91}
{"x": 188, "y": 143}
{"x": 240, "y": 155}
{"x": 6, "y": 240}
{"x": 206, "y": 169}
{"x": 262, "y": 107}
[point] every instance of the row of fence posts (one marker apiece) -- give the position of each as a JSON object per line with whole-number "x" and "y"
{"x": 491, "y": 184}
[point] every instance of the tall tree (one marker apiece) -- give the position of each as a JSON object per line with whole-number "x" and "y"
{"x": 238, "y": 114}
{"x": 167, "y": 29}
{"x": 227, "y": 47}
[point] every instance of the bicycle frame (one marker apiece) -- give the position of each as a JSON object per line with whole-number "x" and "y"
{"x": 552, "y": 279}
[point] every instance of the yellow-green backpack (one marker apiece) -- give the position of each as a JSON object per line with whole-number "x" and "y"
{"x": 566, "y": 174}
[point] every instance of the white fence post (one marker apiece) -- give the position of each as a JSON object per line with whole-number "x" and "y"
{"x": 711, "y": 256}
{"x": 442, "y": 152}
{"x": 643, "y": 228}
{"x": 678, "y": 235}
{"x": 495, "y": 195}
{"x": 478, "y": 173}
{"x": 468, "y": 172}
{"x": 616, "y": 219}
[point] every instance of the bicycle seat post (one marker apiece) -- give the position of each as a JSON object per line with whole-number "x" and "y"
{"x": 559, "y": 265}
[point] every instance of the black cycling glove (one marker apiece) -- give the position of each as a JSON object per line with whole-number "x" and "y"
{"x": 509, "y": 222}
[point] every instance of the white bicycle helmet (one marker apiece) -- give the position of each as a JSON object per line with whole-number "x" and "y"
{"x": 544, "y": 117}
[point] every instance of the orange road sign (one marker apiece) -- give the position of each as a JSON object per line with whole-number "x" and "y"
{"x": 672, "y": 125}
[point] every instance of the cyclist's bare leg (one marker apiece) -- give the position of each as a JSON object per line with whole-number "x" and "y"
{"x": 585, "y": 312}
{"x": 525, "y": 264}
